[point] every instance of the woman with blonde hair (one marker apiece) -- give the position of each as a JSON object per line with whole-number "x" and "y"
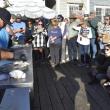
{"x": 55, "y": 41}
{"x": 84, "y": 36}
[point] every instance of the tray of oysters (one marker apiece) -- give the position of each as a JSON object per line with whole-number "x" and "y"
{"x": 21, "y": 65}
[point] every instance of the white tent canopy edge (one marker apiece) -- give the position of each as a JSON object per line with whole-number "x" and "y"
{"x": 31, "y": 9}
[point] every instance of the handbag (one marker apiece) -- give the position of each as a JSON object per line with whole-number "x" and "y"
{"x": 106, "y": 38}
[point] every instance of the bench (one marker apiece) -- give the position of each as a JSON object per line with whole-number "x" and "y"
{"x": 16, "y": 99}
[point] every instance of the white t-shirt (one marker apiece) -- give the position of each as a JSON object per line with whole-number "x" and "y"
{"x": 84, "y": 35}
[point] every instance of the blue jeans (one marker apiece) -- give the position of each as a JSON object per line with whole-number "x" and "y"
{"x": 21, "y": 39}
{"x": 101, "y": 45}
{"x": 94, "y": 47}
{"x": 72, "y": 49}
{"x": 84, "y": 51}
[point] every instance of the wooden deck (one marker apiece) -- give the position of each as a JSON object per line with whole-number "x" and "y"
{"x": 66, "y": 88}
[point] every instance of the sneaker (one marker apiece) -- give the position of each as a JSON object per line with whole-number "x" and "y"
{"x": 67, "y": 59}
{"x": 63, "y": 61}
{"x": 106, "y": 84}
{"x": 52, "y": 64}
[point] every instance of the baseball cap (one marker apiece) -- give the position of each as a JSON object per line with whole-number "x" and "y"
{"x": 60, "y": 17}
{"x": 18, "y": 16}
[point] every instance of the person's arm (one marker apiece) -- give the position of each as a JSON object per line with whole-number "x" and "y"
{"x": 20, "y": 30}
{"x": 9, "y": 30}
{"x": 44, "y": 32}
{"x": 93, "y": 23}
{"x": 6, "y": 55}
{"x": 90, "y": 33}
{"x": 17, "y": 30}
{"x": 23, "y": 30}
{"x": 77, "y": 28}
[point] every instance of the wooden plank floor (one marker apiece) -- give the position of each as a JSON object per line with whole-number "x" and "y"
{"x": 66, "y": 88}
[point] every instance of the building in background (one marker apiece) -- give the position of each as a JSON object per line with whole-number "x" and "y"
{"x": 67, "y": 7}
{"x": 102, "y": 7}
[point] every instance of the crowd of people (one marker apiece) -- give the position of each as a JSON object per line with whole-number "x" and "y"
{"x": 83, "y": 41}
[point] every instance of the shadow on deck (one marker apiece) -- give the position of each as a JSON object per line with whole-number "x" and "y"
{"x": 66, "y": 88}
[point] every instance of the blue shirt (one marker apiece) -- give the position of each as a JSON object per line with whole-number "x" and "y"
{"x": 56, "y": 32}
{"x": 4, "y": 38}
{"x": 19, "y": 25}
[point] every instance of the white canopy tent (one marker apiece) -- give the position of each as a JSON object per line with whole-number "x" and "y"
{"x": 31, "y": 9}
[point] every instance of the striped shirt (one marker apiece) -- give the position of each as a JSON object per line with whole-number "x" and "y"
{"x": 39, "y": 36}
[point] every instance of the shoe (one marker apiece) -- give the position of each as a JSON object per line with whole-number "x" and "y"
{"x": 67, "y": 59}
{"x": 52, "y": 64}
{"x": 106, "y": 84}
{"x": 63, "y": 61}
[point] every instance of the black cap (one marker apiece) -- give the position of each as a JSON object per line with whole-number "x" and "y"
{"x": 60, "y": 17}
{"x": 5, "y": 15}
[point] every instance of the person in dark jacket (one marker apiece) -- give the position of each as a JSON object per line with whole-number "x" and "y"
{"x": 99, "y": 72}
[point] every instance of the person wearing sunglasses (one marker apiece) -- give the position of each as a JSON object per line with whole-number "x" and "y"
{"x": 39, "y": 41}
{"x": 19, "y": 29}
{"x": 100, "y": 70}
